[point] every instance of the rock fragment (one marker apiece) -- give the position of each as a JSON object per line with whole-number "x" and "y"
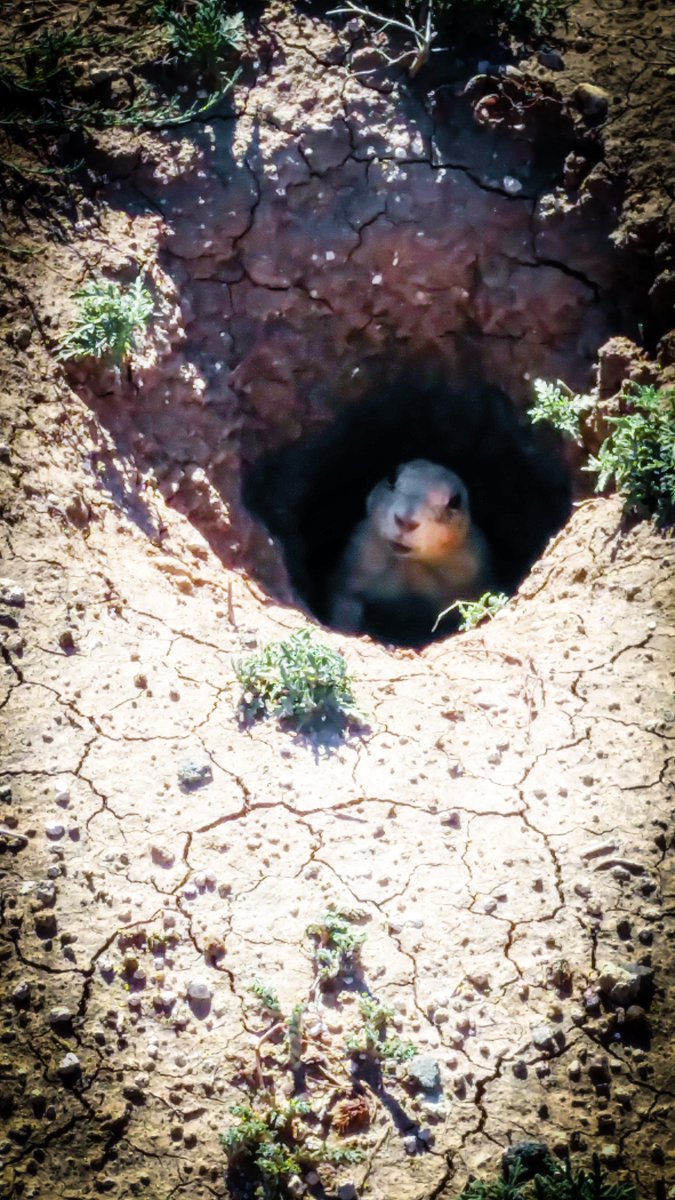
{"x": 624, "y": 984}
{"x": 592, "y": 101}
{"x": 69, "y": 1069}
{"x": 11, "y": 593}
{"x": 425, "y": 1072}
{"x": 194, "y": 772}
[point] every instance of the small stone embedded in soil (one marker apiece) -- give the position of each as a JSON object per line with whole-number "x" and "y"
{"x": 425, "y": 1071}
{"x": 60, "y": 1018}
{"x": 69, "y": 1068}
{"x": 622, "y": 984}
{"x": 45, "y": 924}
{"x": 11, "y": 593}
{"x": 592, "y": 101}
{"x": 21, "y": 993}
{"x": 66, "y": 639}
{"x": 347, "y": 1190}
{"x": 532, "y": 1158}
{"x": 194, "y": 772}
{"x": 410, "y": 1144}
{"x": 62, "y": 792}
{"x": 54, "y": 830}
{"x": 546, "y": 1038}
{"x": 162, "y": 855}
{"x": 199, "y": 989}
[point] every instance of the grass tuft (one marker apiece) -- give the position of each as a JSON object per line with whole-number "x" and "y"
{"x": 300, "y": 680}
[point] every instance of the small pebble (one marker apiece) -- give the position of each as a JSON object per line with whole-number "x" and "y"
{"x": 410, "y": 1144}
{"x": 69, "y": 1068}
{"x": 11, "y": 593}
{"x": 199, "y": 989}
{"x": 54, "y": 830}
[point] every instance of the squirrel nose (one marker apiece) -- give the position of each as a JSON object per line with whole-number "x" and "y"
{"x": 405, "y": 524}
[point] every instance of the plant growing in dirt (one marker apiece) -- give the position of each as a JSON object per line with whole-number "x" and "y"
{"x": 111, "y": 321}
{"x": 423, "y": 20}
{"x": 560, "y": 407}
{"x": 560, "y": 1181}
{"x": 205, "y": 37}
{"x": 639, "y": 454}
{"x": 372, "y": 1042}
{"x": 473, "y": 612}
{"x": 272, "y": 1145}
{"x": 336, "y": 947}
{"x": 300, "y": 680}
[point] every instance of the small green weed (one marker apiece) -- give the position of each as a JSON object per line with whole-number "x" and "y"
{"x": 510, "y": 1188}
{"x": 300, "y": 680}
{"x": 206, "y": 37}
{"x": 562, "y": 1181}
{"x": 372, "y": 1039}
{"x": 266, "y": 997}
{"x": 639, "y": 454}
{"x": 560, "y": 407}
{"x": 273, "y": 1141}
{"x": 337, "y": 946}
{"x": 472, "y": 612}
{"x": 110, "y": 322}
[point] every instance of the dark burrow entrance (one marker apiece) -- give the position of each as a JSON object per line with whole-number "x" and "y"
{"x": 301, "y": 251}
{"x": 311, "y": 494}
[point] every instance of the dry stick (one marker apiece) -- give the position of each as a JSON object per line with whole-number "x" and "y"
{"x": 371, "y": 1157}
{"x": 266, "y": 1033}
{"x": 423, "y": 38}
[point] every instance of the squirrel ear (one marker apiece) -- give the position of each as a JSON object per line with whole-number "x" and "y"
{"x": 392, "y": 477}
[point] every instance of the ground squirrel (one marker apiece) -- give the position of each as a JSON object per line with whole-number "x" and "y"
{"x": 417, "y": 551}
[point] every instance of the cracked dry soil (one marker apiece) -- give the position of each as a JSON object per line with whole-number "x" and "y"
{"x": 502, "y": 826}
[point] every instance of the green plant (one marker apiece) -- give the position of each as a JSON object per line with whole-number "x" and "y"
{"x": 511, "y": 1188}
{"x": 110, "y": 320}
{"x": 300, "y": 680}
{"x": 568, "y": 1183}
{"x": 372, "y": 1039}
{"x": 266, "y": 997}
{"x": 272, "y": 1141}
{"x": 561, "y": 1181}
{"x": 206, "y": 37}
{"x": 472, "y": 612}
{"x": 337, "y": 946}
{"x": 560, "y": 407}
{"x": 44, "y": 57}
{"x": 639, "y": 454}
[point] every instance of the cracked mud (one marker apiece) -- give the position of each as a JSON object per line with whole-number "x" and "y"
{"x": 501, "y": 826}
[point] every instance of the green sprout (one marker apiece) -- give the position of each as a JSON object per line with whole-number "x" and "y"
{"x": 266, "y": 997}
{"x": 560, "y": 407}
{"x": 300, "y": 680}
{"x": 337, "y": 946}
{"x": 111, "y": 320}
{"x": 207, "y": 37}
{"x": 472, "y": 612}
{"x": 372, "y": 1039}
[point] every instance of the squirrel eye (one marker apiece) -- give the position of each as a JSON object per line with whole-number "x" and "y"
{"x": 455, "y": 501}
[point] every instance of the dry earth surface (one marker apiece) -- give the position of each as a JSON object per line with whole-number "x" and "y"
{"x": 501, "y": 827}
